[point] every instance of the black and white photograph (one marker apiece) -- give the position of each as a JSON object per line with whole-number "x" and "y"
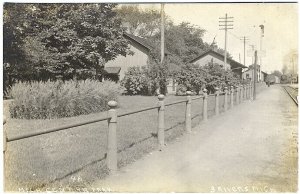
{"x": 149, "y": 97}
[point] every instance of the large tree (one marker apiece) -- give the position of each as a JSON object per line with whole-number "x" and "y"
{"x": 64, "y": 39}
{"x": 144, "y": 23}
{"x": 277, "y": 73}
{"x": 184, "y": 41}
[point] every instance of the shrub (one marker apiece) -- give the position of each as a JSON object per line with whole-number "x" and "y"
{"x": 181, "y": 90}
{"x": 190, "y": 77}
{"x": 135, "y": 81}
{"x": 41, "y": 100}
{"x": 146, "y": 80}
{"x": 194, "y": 78}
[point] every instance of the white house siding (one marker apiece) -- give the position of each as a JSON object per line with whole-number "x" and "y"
{"x": 262, "y": 77}
{"x": 209, "y": 58}
{"x": 171, "y": 86}
{"x": 138, "y": 59}
{"x": 277, "y": 80}
{"x": 250, "y": 73}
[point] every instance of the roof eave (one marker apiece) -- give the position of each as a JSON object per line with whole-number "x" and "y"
{"x": 148, "y": 47}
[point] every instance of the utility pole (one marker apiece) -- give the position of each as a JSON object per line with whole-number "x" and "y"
{"x": 262, "y": 27}
{"x": 226, "y": 23}
{"x": 260, "y": 46}
{"x": 244, "y": 39}
{"x": 162, "y": 41}
{"x": 255, "y": 75}
{"x": 252, "y": 52}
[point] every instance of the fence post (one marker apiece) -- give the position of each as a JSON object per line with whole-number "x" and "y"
{"x": 225, "y": 99}
{"x": 242, "y": 91}
{"x": 247, "y": 93}
{"x": 243, "y": 94}
{"x": 231, "y": 96}
{"x": 251, "y": 90}
{"x": 204, "y": 104}
{"x": 188, "y": 117}
{"x": 161, "y": 122}
{"x": 237, "y": 94}
{"x": 112, "y": 160}
{"x": 217, "y": 101}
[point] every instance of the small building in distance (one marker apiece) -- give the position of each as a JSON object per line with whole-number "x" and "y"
{"x": 263, "y": 76}
{"x": 249, "y": 74}
{"x": 215, "y": 57}
{"x": 273, "y": 79}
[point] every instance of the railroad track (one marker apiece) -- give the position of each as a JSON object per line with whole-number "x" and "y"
{"x": 292, "y": 92}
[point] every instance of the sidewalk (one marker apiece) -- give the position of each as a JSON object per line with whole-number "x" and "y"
{"x": 250, "y": 148}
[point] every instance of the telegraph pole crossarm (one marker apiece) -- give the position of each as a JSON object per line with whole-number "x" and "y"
{"x": 225, "y": 23}
{"x": 244, "y": 39}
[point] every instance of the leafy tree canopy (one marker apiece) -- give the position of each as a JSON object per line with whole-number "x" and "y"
{"x": 277, "y": 73}
{"x": 184, "y": 41}
{"x": 62, "y": 38}
{"x": 143, "y": 23}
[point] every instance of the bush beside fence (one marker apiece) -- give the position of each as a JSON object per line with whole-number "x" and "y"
{"x": 48, "y": 100}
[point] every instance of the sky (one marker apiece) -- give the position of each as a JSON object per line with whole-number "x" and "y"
{"x": 280, "y": 20}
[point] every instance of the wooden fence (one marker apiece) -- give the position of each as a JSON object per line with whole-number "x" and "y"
{"x": 232, "y": 95}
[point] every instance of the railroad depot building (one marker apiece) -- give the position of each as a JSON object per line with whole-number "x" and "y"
{"x": 116, "y": 69}
{"x": 249, "y": 74}
{"x": 215, "y": 57}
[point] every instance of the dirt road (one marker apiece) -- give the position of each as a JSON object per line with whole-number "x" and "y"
{"x": 250, "y": 148}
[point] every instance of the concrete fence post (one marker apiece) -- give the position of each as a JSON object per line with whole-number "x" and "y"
{"x": 112, "y": 160}
{"x": 244, "y": 88}
{"x": 248, "y": 88}
{"x": 217, "y": 110}
{"x": 249, "y": 93}
{"x": 161, "y": 122}
{"x": 231, "y": 96}
{"x": 188, "y": 116}
{"x": 225, "y": 99}
{"x": 251, "y": 90}
{"x": 204, "y": 104}
{"x": 237, "y": 95}
{"x": 242, "y": 93}
{"x": 246, "y": 91}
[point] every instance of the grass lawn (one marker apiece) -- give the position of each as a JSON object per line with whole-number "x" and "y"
{"x": 54, "y": 158}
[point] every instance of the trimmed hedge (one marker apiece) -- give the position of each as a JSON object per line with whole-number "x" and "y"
{"x": 48, "y": 100}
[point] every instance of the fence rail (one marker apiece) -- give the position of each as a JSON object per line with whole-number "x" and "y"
{"x": 137, "y": 111}
{"x": 177, "y": 102}
{"x": 242, "y": 93}
{"x": 52, "y": 130}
